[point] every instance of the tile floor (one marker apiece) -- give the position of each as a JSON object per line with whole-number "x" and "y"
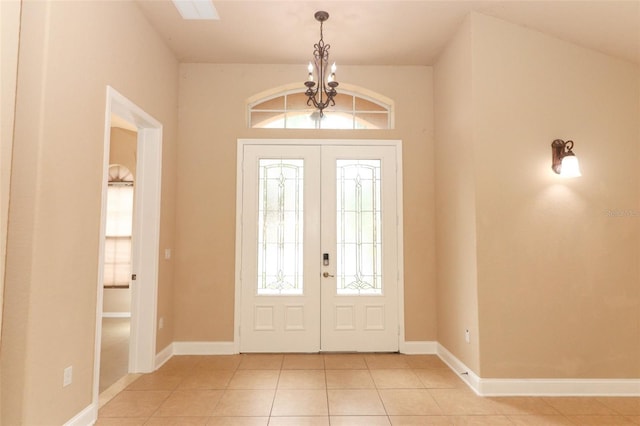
{"x": 337, "y": 389}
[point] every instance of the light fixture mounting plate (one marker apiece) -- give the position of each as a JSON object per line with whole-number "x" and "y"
{"x": 321, "y": 16}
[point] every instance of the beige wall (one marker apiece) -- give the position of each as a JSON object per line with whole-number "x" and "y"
{"x": 557, "y": 272}
{"x": 456, "y": 200}
{"x": 212, "y": 117}
{"x": 69, "y": 52}
{"x": 559, "y": 285}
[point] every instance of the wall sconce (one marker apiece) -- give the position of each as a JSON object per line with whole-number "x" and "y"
{"x": 565, "y": 163}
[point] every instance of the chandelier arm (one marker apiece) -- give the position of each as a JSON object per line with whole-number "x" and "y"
{"x": 322, "y": 95}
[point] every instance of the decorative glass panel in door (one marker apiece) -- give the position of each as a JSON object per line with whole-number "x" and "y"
{"x": 358, "y": 225}
{"x": 280, "y": 226}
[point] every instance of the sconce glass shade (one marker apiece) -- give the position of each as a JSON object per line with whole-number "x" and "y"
{"x": 570, "y": 167}
{"x": 564, "y": 162}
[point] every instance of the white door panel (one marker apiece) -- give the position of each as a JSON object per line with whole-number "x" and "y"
{"x": 359, "y": 293}
{"x": 280, "y": 232}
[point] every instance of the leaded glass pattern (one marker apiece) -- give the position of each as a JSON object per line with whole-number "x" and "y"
{"x": 359, "y": 223}
{"x": 280, "y": 227}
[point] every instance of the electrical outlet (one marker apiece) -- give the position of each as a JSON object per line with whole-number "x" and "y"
{"x": 467, "y": 336}
{"x": 167, "y": 254}
{"x": 161, "y": 323}
{"x": 67, "y": 376}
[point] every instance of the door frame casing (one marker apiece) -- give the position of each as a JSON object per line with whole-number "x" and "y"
{"x": 397, "y": 144}
{"x": 146, "y": 236}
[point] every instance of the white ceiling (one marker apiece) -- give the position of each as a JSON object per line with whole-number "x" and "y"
{"x": 390, "y": 32}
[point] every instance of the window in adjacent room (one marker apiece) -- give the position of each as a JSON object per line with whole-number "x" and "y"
{"x": 289, "y": 110}
{"x": 117, "y": 254}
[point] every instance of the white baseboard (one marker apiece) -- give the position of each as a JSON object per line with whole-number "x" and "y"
{"x": 116, "y": 315}
{"x": 559, "y": 387}
{"x": 86, "y": 417}
{"x": 204, "y": 348}
{"x": 164, "y": 355}
{"x": 419, "y": 347}
{"x": 540, "y": 387}
{"x": 458, "y": 367}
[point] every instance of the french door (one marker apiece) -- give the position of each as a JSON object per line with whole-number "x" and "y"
{"x": 319, "y": 255}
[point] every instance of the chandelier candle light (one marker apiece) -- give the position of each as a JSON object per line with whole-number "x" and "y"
{"x": 322, "y": 95}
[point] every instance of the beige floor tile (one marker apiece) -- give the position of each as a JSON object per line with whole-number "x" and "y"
{"x": 156, "y": 381}
{"x": 349, "y": 379}
{"x": 634, "y": 419}
{"x": 439, "y": 378}
{"x": 216, "y": 379}
{"x": 254, "y": 379}
{"x": 189, "y": 403}
{"x": 180, "y": 365}
{"x": 421, "y": 420}
{"x": 425, "y": 362}
{"x": 486, "y": 420}
{"x": 540, "y": 420}
{"x": 344, "y": 362}
{"x": 396, "y": 379}
{"x": 576, "y": 406}
{"x": 355, "y": 402}
{"x": 303, "y": 362}
{"x": 360, "y": 421}
{"x": 244, "y": 403}
{"x": 623, "y": 405}
{"x": 134, "y": 404}
{"x": 300, "y": 403}
{"x": 177, "y": 421}
{"x": 523, "y": 405}
{"x": 260, "y": 362}
{"x": 600, "y": 420}
{"x": 386, "y": 361}
{"x": 299, "y": 421}
{"x": 463, "y": 402}
{"x": 409, "y": 402}
{"x": 219, "y": 362}
{"x": 238, "y": 421}
{"x": 302, "y": 379}
{"x": 120, "y": 421}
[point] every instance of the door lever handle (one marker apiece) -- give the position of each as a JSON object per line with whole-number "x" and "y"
{"x": 327, "y": 275}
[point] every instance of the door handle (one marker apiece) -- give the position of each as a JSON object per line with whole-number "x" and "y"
{"x": 327, "y": 275}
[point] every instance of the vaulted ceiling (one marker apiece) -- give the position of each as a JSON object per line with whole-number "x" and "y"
{"x": 390, "y": 32}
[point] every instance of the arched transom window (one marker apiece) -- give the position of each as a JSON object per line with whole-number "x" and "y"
{"x": 288, "y": 109}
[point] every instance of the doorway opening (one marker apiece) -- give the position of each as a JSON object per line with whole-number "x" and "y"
{"x": 143, "y": 250}
{"x": 116, "y": 304}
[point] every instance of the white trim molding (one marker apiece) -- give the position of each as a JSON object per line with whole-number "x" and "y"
{"x": 164, "y": 355}
{"x": 559, "y": 387}
{"x": 469, "y": 377}
{"x": 116, "y": 315}
{"x": 88, "y": 416}
{"x": 539, "y": 387}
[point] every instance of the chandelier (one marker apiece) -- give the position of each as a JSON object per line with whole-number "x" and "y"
{"x": 321, "y": 96}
